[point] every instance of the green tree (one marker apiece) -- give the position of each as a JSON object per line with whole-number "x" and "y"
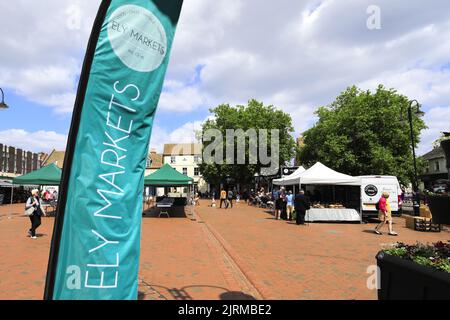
{"x": 253, "y": 116}
{"x": 363, "y": 133}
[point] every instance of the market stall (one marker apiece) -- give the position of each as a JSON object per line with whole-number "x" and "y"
{"x": 338, "y": 197}
{"x": 168, "y": 177}
{"x": 334, "y": 196}
{"x": 46, "y": 176}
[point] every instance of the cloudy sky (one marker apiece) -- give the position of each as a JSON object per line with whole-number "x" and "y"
{"x": 296, "y": 55}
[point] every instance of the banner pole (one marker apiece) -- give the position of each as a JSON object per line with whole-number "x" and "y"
{"x": 71, "y": 142}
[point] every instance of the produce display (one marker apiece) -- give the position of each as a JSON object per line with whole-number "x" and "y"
{"x": 328, "y": 206}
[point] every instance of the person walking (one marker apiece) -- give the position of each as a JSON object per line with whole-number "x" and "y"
{"x": 197, "y": 200}
{"x": 230, "y": 198}
{"x": 289, "y": 205}
{"x": 301, "y": 204}
{"x": 223, "y": 198}
{"x": 34, "y": 202}
{"x": 385, "y": 215}
{"x": 278, "y": 203}
{"x": 283, "y": 195}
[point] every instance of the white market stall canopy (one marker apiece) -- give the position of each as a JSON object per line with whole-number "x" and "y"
{"x": 291, "y": 179}
{"x": 321, "y": 174}
{"x": 318, "y": 174}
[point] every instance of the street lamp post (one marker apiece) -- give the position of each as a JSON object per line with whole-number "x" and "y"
{"x": 3, "y": 105}
{"x": 416, "y": 199}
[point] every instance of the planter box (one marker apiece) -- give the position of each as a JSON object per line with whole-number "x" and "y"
{"x": 406, "y": 280}
{"x": 440, "y": 209}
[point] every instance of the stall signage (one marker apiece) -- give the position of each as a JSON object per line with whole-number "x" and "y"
{"x": 371, "y": 190}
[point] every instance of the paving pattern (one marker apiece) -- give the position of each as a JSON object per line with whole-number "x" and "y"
{"x": 317, "y": 261}
{"x": 240, "y": 253}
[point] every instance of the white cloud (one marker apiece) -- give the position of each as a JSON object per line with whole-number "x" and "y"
{"x": 42, "y": 49}
{"x": 184, "y": 134}
{"x": 297, "y": 55}
{"x": 429, "y": 87}
{"x": 39, "y": 141}
{"x": 181, "y": 98}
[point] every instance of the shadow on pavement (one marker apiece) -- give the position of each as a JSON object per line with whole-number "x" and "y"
{"x": 181, "y": 294}
{"x": 175, "y": 212}
{"x": 236, "y": 295}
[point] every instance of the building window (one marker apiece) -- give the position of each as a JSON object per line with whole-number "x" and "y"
{"x": 196, "y": 172}
{"x": 185, "y": 172}
{"x": 436, "y": 166}
{"x": 172, "y": 160}
{"x": 197, "y": 159}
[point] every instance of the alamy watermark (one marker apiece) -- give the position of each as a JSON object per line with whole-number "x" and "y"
{"x": 231, "y": 149}
{"x": 374, "y": 279}
{"x": 374, "y": 19}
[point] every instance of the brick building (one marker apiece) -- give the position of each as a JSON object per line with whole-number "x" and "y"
{"x": 15, "y": 161}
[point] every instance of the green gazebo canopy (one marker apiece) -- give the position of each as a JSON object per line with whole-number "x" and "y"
{"x": 45, "y": 176}
{"x": 168, "y": 177}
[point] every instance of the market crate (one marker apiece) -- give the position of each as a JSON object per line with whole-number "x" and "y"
{"x": 421, "y": 224}
{"x": 425, "y": 224}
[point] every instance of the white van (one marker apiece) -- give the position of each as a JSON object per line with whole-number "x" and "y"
{"x": 373, "y": 187}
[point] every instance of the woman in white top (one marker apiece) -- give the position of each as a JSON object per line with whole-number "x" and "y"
{"x": 34, "y": 202}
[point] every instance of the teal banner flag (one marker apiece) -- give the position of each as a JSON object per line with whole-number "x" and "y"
{"x": 96, "y": 240}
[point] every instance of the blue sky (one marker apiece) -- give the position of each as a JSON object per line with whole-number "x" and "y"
{"x": 296, "y": 55}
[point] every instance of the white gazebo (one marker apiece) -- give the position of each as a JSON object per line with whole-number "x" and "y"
{"x": 291, "y": 179}
{"x": 319, "y": 174}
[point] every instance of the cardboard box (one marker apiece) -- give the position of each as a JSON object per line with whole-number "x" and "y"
{"x": 425, "y": 211}
{"x": 410, "y": 222}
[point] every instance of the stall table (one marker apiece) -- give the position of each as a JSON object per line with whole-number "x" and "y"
{"x": 327, "y": 214}
{"x": 46, "y": 204}
{"x": 165, "y": 205}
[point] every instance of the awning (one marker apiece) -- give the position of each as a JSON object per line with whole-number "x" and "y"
{"x": 291, "y": 179}
{"x": 318, "y": 174}
{"x": 45, "y": 176}
{"x": 168, "y": 177}
{"x": 321, "y": 174}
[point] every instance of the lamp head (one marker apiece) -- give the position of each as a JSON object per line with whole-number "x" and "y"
{"x": 419, "y": 113}
{"x": 3, "y": 105}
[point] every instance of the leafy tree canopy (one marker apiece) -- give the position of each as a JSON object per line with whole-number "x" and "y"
{"x": 252, "y": 116}
{"x": 364, "y": 133}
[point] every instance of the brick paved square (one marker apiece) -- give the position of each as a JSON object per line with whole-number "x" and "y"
{"x": 240, "y": 253}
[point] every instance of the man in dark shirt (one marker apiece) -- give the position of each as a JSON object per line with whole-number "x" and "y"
{"x": 301, "y": 204}
{"x": 230, "y": 198}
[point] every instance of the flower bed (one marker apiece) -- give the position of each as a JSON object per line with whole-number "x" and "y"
{"x": 417, "y": 272}
{"x": 436, "y": 256}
